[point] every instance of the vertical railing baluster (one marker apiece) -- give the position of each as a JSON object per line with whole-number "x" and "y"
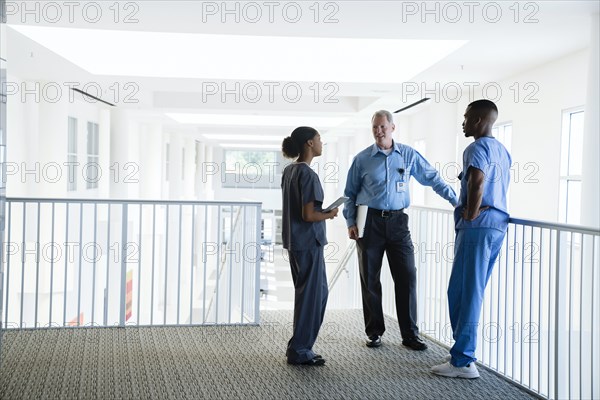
{"x": 570, "y": 296}
{"x": 23, "y": 243}
{"x": 179, "y": 266}
{"x": 153, "y": 260}
{"x": 51, "y": 266}
{"x": 139, "y": 274}
{"x": 37, "y": 267}
{"x": 8, "y": 258}
{"x": 123, "y": 304}
{"x": 219, "y": 250}
{"x": 539, "y": 326}
{"x": 80, "y": 262}
{"x": 257, "y": 268}
{"x": 166, "y": 261}
{"x": 581, "y": 250}
{"x": 192, "y": 247}
{"x": 107, "y": 288}
{"x": 205, "y": 260}
{"x": 66, "y": 264}
{"x": 556, "y": 315}
{"x": 243, "y": 266}
{"x": 94, "y": 264}
{"x": 231, "y": 256}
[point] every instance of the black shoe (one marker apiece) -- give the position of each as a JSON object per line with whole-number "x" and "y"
{"x": 314, "y": 362}
{"x": 318, "y": 356}
{"x": 415, "y": 343}
{"x": 374, "y": 341}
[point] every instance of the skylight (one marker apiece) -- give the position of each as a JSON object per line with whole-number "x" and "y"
{"x": 237, "y": 57}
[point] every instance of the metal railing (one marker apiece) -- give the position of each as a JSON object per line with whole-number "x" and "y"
{"x": 81, "y": 262}
{"x": 540, "y": 320}
{"x": 539, "y": 324}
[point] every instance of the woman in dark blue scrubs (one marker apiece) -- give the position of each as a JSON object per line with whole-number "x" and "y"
{"x": 303, "y": 231}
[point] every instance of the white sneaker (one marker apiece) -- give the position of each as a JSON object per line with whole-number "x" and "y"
{"x": 449, "y": 370}
{"x": 448, "y": 358}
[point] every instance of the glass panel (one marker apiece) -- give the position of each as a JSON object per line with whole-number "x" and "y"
{"x": 562, "y": 201}
{"x": 574, "y": 202}
{"x": 576, "y": 143}
{"x": 564, "y": 145}
{"x": 92, "y": 172}
{"x": 72, "y": 172}
{"x": 72, "y": 136}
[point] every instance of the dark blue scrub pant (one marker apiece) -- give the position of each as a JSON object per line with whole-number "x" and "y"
{"x": 310, "y": 282}
{"x": 475, "y": 253}
{"x": 388, "y": 234}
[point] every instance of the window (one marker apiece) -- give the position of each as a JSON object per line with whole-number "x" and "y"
{"x": 503, "y": 132}
{"x": 252, "y": 169}
{"x": 72, "y": 155}
{"x": 571, "y": 166}
{"x": 92, "y": 169}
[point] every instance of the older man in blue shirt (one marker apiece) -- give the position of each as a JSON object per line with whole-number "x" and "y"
{"x": 481, "y": 220}
{"x": 378, "y": 178}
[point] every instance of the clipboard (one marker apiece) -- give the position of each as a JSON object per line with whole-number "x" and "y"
{"x": 361, "y": 219}
{"x": 336, "y": 203}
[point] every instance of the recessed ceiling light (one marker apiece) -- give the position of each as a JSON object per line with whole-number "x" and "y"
{"x": 240, "y": 138}
{"x": 250, "y": 146}
{"x": 256, "y": 120}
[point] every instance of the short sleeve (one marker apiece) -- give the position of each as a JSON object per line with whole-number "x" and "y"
{"x": 310, "y": 187}
{"x": 477, "y": 157}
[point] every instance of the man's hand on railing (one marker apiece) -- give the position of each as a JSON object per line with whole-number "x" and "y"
{"x": 353, "y": 232}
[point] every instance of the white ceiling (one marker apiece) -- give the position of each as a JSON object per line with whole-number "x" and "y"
{"x": 543, "y": 31}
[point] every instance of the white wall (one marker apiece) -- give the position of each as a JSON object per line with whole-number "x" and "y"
{"x": 536, "y": 131}
{"x": 37, "y": 132}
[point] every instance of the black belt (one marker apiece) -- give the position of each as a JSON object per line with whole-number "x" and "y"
{"x": 385, "y": 213}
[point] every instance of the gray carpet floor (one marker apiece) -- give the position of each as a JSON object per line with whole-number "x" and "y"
{"x": 228, "y": 363}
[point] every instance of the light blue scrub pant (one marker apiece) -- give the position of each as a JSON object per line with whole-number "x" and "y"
{"x": 475, "y": 252}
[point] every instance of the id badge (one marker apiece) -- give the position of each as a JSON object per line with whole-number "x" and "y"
{"x": 400, "y": 187}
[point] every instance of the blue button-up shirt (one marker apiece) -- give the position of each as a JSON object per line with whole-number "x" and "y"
{"x": 381, "y": 181}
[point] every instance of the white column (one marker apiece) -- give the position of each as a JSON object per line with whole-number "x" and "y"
{"x": 124, "y": 149}
{"x": 189, "y": 145}
{"x": 175, "y": 181}
{"x": 151, "y": 161}
{"x": 210, "y": 179}
{"x": 590, "y": 180}
{"x": 199, "y": 179}
{"x": 51, "y": 132}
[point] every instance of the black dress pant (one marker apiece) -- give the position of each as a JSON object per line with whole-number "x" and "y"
{"x": 388, "y": 234}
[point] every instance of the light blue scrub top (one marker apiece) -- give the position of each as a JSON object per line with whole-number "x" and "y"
{"x": 491, "y": 157}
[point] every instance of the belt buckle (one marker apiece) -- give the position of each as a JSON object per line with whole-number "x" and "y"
{"x": 385, "y": 214}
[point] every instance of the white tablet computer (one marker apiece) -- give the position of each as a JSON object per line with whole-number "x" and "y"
{"x": 335, "y": 204}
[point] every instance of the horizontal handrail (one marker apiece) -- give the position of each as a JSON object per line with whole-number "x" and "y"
{"x": 586, "y": 230}
{"x": 131, "y": 201}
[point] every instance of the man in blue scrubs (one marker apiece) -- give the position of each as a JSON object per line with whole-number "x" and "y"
{"x": 378, "y": 178}
{"x": 481, "y": 220}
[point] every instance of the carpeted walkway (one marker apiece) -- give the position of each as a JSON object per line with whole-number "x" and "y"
{"x": 227, "y": 363}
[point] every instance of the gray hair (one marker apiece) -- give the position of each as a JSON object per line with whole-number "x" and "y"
{"x": 383, "y": 113}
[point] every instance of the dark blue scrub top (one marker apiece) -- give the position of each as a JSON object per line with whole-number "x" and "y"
{"x": 300, "y": 185}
